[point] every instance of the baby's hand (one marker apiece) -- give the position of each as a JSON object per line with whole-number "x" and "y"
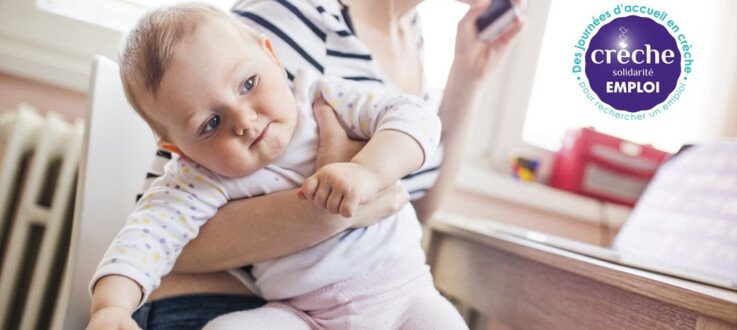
{"x": 113, "y": 318}
{"x": 341, "y": 187}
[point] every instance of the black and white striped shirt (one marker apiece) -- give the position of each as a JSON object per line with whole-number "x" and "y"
{"x": 317, "y": 35}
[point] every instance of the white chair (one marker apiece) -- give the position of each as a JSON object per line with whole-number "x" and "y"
{"x": 118, "y": 149}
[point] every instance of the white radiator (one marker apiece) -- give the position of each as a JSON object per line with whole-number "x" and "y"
{"x": 39, "y": 158}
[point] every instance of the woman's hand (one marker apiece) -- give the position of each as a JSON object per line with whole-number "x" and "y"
{"x": 475, "y": 58}
{"x": 388, "y": 202}
{"x": 335, "y": 145}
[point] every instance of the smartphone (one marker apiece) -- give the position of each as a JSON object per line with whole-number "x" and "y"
{"x": 496, "y": 19}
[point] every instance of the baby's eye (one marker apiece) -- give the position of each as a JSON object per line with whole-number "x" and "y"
{"x": 212, "y": 124}
{"x": 249, "y": 84}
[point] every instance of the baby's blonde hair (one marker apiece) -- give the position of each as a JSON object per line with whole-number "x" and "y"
{"x": 147, "y": 49}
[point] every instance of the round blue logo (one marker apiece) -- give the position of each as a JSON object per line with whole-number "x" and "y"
{"x": 633, "y": 63}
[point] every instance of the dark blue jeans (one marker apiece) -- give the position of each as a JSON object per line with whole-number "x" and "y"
{"x": 191, "y": 311}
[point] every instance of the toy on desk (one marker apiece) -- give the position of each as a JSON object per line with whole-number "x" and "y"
{"x": 524, "y": 168}
{"x": 602, "y": 166}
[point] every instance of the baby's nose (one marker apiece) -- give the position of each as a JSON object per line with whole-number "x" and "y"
{"x": 244, "y": 120}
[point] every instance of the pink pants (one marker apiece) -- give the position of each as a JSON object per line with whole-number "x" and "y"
{"x": 401, "y": 296}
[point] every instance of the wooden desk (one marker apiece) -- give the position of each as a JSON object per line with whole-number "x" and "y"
{"x": 527, "y": 285}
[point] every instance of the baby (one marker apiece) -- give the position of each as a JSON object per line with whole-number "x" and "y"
{"x": 216, "y": 93}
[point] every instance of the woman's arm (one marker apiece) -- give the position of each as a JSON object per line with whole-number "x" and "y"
{"x": 260, "y": 228}
{"x": 266, "y": 227}
{"x": 473, "y": 61}
{"x": 256, "y": 229}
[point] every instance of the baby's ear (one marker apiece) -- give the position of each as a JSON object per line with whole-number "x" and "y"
{"x": 266, "y": 45}
{"x": 163, "y": 144}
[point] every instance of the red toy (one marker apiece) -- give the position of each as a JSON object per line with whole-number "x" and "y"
{"x": 604, "y": 167}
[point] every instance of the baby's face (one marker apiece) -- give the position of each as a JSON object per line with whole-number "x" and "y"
{"x": 224, "y": 101}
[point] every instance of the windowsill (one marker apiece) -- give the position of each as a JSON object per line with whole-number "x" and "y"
{"x": 480, "y": 180}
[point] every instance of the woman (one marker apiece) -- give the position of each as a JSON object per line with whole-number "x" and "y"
{"x": 375, "y": 42}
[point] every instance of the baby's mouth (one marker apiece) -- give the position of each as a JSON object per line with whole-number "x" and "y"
{"x": 262, "y": 135}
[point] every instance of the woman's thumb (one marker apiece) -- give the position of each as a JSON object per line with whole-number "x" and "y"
{"x": 327, "y": 121}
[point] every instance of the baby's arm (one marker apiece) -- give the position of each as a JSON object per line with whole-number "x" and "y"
{"x": 115, "y": 299}
{"x": 165, "y": 219}
{"x": 341, "y": 187}
{"x": 402, "y": 133}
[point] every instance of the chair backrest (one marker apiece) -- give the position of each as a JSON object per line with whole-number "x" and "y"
{"x": 118, "y": 149}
